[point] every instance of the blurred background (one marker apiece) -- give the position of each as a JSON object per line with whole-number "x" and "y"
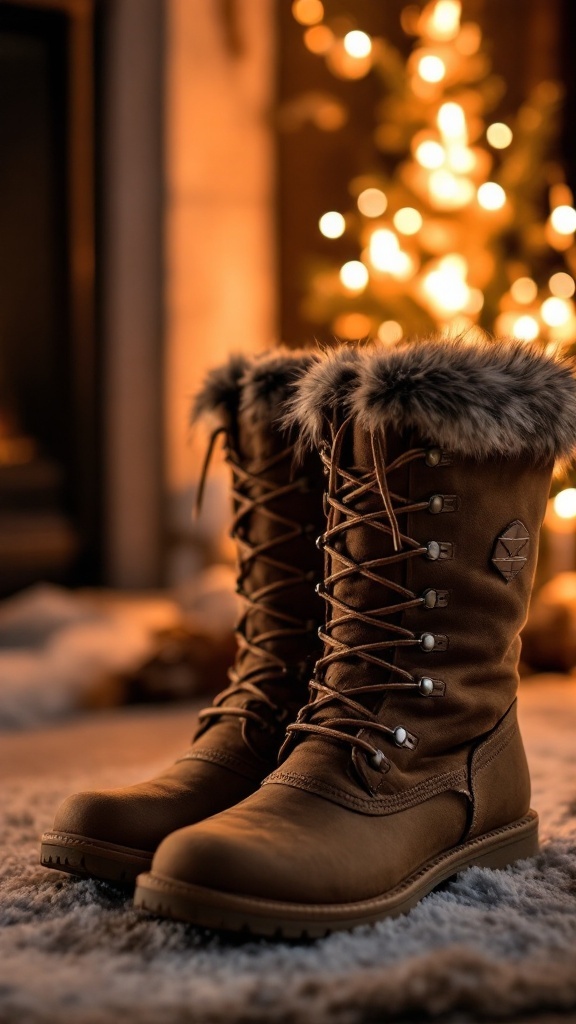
{"x": 181, "y": 179}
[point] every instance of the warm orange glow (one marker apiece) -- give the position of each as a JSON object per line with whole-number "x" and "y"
{"x": 390, "y": 332}
{"x": 499, "y": 135}
{"x": 308, "y": 12}
{"x": 431, "y": 68}
{"x": 357, "y": 44}
{"x": 449, "y": 191}
{"x": 555, "y": 312}
{"x": 451, "y": 121}
{"x": 565, "y": 503}
{"x": 446, "y": 286}
{"x": 332, "y": 224}
{"x": 354, "y": 276}
{"x": 430, "y": 154}
{"x": 491, "y": 196}
{"x": 445, "y": 20}
{"x": 407, "y": 220}
{"x": 563, "y": 220}
{"x": 372, "y": 202}
{"x": 469, "y": 39}
{"x": 352, "y": 326}
{"x": 562, "y": 285}
{"x": 524, "y": 290}
{"x": 318, "y": 39}
{"x": 525, "y": 328}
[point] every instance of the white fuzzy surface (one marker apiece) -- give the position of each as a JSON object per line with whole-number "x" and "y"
{"x": 491, "y": 945}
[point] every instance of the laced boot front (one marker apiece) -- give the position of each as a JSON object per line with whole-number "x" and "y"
{"x": 277, "y": 514}
{"x": 406, "y": 765}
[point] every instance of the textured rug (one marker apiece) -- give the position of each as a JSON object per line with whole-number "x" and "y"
{"x": 491, "y": 945}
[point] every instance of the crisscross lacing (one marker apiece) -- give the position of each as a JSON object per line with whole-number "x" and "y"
{"x": 346, "y": 488}
{"x": 245, "y": 698}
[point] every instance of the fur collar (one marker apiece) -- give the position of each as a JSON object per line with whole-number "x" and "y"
{"x": 476, "y": 399}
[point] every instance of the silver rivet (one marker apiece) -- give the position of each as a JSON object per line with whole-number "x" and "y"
{"x": 320, "y": 541}
{"x": 427, "y": 641}
{"x": 400, "y": 736}
{"x": 426, "y": 686}
{"x": 432, "y": 550}
{"x": 375, "y": 760}
{"x": 436, "y": 504}
{"x": 433, "y": 457}
{"x": 318, "y": 588}
{"x": 430, "y": 598}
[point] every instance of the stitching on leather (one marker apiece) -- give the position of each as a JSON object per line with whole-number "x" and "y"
{"x": 183, "y": 888}
{"x": 215, "y": 756}
{"x": 392, "y": 802}
{"x": 68, "y": 840}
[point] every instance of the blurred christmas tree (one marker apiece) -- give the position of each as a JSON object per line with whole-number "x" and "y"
{"x": 456, "y": 220}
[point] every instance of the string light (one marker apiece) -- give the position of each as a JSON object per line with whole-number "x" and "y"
{"x": 563, "y": 220}
{"x": 499, "y": 135}
{"x": 372, "y": 202}
{"x": 565, "y": 503}
{"x": 451, "y": 121}
{"x": 562, "y": 285}
{"x": 318, "y": 39}
{"x": 524, "y": 290}
{"x": 555, "y": 312}
{"x": 461, "y": 159}
{"x": 354, "y": 276}
{"x": 332, "y": 224}
{"x": 525, "y": 328}
{"x": 445, "y": 20}
{"x": 407, "y": 221}
{"x": 449, "y": 191}
{"x": 390, "y": 332}
{"x": 384, "y": 250}
{"x": 352, "y": 326}
{"x": 357, "y": 44}
{"x": 308, "y": 12}
{"x": 430, "y": 154}
{"x": 491, "y": 196}
{"x": 431, "y": 68}
{"x": 446, "y": 286}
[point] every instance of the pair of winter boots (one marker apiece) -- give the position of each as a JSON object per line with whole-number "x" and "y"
{"x": 367, "y": 748}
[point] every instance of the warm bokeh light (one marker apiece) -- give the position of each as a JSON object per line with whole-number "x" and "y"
{"x": 524, "y": 290}
{"x": 452, "y": 121}
{"x": 565, "y": 503}
{"x": 430, "y": 154}
{"x": 491, "y": 196}
{"x": 449, "y": 191}
{"x": 563, "y": 220}
{"x": 332, "y": 224}
{"x": 475, "y": 301}
{"x": 431, "y": 68}
{"x": 354, "y": 276}
{"x": 562, "y": 285}
{"x": 357, "y": 44}
{"x": 390, "y": 332}
{"x": 555, "y": 312}
{"x": 318, "y": 39}
{"x": 445, "y": 20}
{"x": 446, "y": 285}
{"x": 461, "y": 159}
{"x": 372, "y": 202}
{"x": 352, "y": 326}
{"x": 308, "y": 12}
{"x": 469, "y": 39}
{"x": 525, "y": 328}
{"x": 407, "y": 220}
{"x": 499, "y": 135}
{"x": 384, "y": 249}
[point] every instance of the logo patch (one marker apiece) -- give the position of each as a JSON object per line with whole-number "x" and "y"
{"x": 511, "y": 550}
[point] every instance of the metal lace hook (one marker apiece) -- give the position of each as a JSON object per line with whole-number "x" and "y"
{"x": 205, "y": 466}
{"x": 378, "y": 443}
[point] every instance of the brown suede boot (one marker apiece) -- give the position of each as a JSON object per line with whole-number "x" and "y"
{"x": 407, "y": 766}
{"x": 277, "y": 516}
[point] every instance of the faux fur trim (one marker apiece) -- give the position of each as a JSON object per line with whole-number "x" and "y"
{"x": 327, "y": 386}
{"x": 219, "y": 396}
{"x": 476, "y": 399}
{"x": 270, "y": 383}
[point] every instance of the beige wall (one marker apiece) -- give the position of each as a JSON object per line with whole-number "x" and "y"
{"x": 219, "y": 255}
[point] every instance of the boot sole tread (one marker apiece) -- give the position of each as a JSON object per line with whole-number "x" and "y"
{"x": 92, "y": 858}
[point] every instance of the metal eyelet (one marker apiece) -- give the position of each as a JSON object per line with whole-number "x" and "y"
{"x": 436, "y": 504}
{"x": 318, "y": 588}
{"x": 320, "y": 542}
{"x": 375, "y": 760}
{"x": 432, "y": 550}
{"x": 400, "y": 735}
{"x": 433, "y": 457}
{"x": 427, "y": 641}
{"x": 430, "y": 598}
{"x": 426, "y": 686}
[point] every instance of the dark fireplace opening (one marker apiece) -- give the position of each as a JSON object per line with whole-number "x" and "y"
{"x": 48, "y": 454}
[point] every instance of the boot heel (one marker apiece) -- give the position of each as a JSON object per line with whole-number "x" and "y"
{"x": 518, "y": 847}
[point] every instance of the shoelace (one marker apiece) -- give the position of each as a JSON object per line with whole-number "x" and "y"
{"x": 247, "y": 682}
{"x": 345, "y": 488}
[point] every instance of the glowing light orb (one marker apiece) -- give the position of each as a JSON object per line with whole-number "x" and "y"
{"x": 372, "y": 202}
{"x": 524, "y": 290}
{"x": 390, "y": 331}
{"x": 565, "y": 503}
{"x": 332, "y": 224}
{"x": 499, "y": 135}
{"x": 354, "y": 276}
{"x": 318, "y": 39}
{"x": 491, "y": 196}
{"x": 562, "y": 285}
{"x": 445, "y": 20}
{"x": 555, "y": 312}
{"x": 407, "y": 220}
{"x": 525, "y": 328}
{"x": 430, "y": 154}
{"x": 452, "y": 121}
{"x": 563, "y": 220}
{"x": 352, "y": 326}
{"x": 431, "y": 68}
{"x": 308, "y": 12}
{"x": 357, "y": 44}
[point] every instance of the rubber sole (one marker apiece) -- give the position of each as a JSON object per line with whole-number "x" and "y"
{"x": 166, "y": 897}
{"x": 90, "y": 858}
